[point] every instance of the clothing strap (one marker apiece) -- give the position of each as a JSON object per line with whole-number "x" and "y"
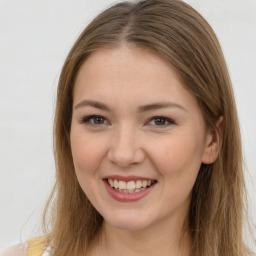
{"x": 36, "y": 246}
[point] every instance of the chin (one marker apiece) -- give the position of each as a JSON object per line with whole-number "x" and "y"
{"x": 128, "y": 221}
{"x": 128, "y": 225}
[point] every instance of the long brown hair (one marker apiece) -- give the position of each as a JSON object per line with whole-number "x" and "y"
{"x": 180, "y": 35}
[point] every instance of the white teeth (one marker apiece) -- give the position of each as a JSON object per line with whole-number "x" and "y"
{"x": 144, "y": 183}
{"x": 129, "y": 190}
{"x": 138, "y": 184}
{"x": 122, "y": 185}
{"x": 111, "y": 183}
{"x": 130, "y": 186}
{"x": 116, "y": 183}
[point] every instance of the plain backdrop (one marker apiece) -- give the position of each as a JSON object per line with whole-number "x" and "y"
{"x": 35, "y": 37}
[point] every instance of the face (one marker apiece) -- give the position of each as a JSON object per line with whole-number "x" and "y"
{"x": 137, "y": 138}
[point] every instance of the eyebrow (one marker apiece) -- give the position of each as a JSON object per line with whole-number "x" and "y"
{"x": 145, "y": 108}
{"x": 92, "y": 103}
{"x": 160, "y": 105}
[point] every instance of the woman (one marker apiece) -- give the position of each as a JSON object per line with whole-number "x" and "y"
{"x": 147, "y": 142}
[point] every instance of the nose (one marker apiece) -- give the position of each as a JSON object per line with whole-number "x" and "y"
{"x": 125, "y": 149}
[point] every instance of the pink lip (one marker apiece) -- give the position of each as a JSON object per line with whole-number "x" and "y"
{"x": 126, "y": 178}
{"x": 127, "y": 197}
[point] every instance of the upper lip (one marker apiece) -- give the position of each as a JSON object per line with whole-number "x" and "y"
{"x": 126, "y": 178}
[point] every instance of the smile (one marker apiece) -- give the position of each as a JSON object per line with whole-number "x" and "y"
{"x": 128, "y": 189}
{"x": 133, "y": 186}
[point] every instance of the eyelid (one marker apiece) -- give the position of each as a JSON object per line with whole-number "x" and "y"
{"x": 86, "y": 120}
{"x": 169, "y": 120}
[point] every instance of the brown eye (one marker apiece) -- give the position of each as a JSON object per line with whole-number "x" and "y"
{"x": 94, "y": 120}
{"x": 97, "y": 120}
{"x": 161, "y": 121}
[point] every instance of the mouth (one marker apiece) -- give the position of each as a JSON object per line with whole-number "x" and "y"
{"x": 131, "y": 186}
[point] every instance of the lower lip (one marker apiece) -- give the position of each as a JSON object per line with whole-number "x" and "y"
{"x": 127, "y": 197}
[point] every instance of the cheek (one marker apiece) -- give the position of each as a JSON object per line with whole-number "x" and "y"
{"x": 177, "y": 161}
{"x": 86, "y": 153}
{"x": 179, "y": 155}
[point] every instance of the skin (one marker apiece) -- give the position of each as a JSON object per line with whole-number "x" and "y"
{"x": 126, "y": 141}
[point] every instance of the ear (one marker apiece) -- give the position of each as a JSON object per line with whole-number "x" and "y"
{"x": 213, "y": 142}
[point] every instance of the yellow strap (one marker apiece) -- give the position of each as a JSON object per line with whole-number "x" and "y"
{"x": 36, "y": 246}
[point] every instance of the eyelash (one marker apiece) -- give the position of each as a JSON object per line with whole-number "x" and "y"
{"x": 162, "y": 118}
{"x": 87, "y": 119}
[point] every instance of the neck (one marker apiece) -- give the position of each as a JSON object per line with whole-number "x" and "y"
{"x": 158, "y": 240}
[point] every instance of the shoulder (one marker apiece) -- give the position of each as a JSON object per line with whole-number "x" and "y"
{"x": 17, "y": 250}
{"x": 33, "y": 247}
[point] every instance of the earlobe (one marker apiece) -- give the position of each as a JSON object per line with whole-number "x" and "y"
{"x": 213, "y": 142}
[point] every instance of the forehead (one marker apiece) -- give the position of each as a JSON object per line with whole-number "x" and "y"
{"x": 125, "y": 73}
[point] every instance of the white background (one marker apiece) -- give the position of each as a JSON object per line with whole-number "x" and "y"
{"x": 35, "y": 37}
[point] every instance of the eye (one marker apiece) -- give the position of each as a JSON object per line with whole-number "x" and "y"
{"x": 94, "y": 120}
{"x": 161, "y": 121}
